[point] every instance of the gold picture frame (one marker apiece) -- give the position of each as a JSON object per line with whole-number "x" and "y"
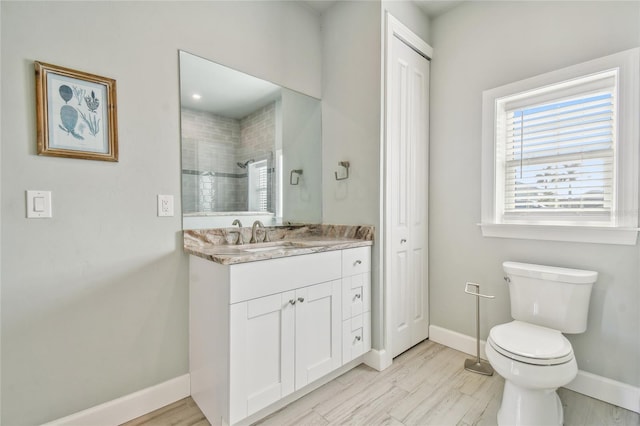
{"x": 76, "y": 114}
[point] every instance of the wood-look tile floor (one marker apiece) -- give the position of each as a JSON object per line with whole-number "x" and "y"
{"x": 426, "y": 385}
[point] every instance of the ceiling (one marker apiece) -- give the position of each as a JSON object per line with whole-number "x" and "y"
{"x": 431, "y": 8}
{"x": 223, "y": 91}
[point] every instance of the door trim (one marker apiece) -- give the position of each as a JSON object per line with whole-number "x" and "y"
{"x": 393, "y": 28}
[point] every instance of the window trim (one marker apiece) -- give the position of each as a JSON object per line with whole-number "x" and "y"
{"x": 624, "y": 230}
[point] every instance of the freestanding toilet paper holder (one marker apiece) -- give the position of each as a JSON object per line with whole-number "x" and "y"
{"x": 476, "y": 365}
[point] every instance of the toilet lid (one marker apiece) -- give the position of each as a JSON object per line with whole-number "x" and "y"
{"x": 531, "y": 343}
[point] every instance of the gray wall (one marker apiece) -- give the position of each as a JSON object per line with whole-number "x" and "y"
{"x": 351, "y": 73}
{"x": 94, "y": 300}
{"x": 482, "y": 45}
{"x": 351, "y": 118}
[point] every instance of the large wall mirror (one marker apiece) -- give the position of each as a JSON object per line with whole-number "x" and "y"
{"x": 251, "y": 150}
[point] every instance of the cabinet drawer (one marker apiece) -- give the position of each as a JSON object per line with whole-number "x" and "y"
{"x": 257, "y": 279}
{"x": 356, "y": 337}
{"x": 356, "y": 291}
{"x": 356, "y": 261}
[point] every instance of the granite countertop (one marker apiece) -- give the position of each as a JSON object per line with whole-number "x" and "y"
{"x": 219, "y": 244}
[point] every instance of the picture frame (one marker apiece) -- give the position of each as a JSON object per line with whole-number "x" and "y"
{"x": 76, "y": 114}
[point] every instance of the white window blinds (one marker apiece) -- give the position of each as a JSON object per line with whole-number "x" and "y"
{"x": 558, "y": 146}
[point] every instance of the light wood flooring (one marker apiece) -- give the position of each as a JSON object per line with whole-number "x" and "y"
{"x": 426, "y": 385}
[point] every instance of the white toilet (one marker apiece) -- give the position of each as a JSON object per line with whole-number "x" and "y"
{"x": 531, "y": 353}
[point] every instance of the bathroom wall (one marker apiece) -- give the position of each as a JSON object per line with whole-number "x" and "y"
{"x": 479, "y": 46}
{"x": 351, "y": 73}
{"x": 209, "y": 145}
{"x": 94, "y": 300}
{"x": 302, "y": 144}
{"x": 351, "y": 117}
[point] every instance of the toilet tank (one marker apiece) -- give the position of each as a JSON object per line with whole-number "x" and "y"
{"x": 549, "y": 296}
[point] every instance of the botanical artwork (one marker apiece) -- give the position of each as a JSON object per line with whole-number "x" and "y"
{"x": 76, "y": 114}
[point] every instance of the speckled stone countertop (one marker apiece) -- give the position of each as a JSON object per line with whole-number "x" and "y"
{"x": 219, "y": 244}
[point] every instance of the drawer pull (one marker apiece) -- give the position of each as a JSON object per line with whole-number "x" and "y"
{"x": 292, "y": 301}
{"x": 357, "y": 262}
{"x": 357, "y": 339}
{"x": 300, "y": 299}
{"x": 357, "y": 296}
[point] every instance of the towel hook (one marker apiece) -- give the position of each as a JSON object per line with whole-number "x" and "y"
{"x": 346, "y": 165}
{"x": 298, "y": 172}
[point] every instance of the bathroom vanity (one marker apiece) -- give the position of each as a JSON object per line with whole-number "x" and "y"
{"x": 267, "y": 320}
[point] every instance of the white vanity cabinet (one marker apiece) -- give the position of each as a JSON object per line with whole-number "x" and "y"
{"x": 260, "y": 331}
{"x": 282, "y": 342}
{"x": 356, "y": 302}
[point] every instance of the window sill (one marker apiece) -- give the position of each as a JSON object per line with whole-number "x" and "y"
{"x": 579, "y": 234}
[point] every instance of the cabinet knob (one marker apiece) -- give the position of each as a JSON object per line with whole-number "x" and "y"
{"x": 402, "y": 241}
{"x": 357, "y": 296}
{"x": 292, "y": 301}
{"x": 357, "y": 262}
{"x": 300, "y": 299}
{"x": 357, "y": 339}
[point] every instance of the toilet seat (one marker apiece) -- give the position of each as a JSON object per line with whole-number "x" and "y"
{"x": 531, "y": 344}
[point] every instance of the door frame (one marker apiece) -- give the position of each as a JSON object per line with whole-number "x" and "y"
{"x": 393, "y": 28}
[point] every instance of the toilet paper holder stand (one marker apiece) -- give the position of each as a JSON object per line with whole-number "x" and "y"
{"x": 477, "y": 365}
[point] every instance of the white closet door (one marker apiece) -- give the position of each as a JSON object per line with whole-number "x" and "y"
{"x": 407, "y": 197}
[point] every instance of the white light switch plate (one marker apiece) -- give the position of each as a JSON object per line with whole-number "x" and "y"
{"x": 38, "y": 204}
{"x": 165, "y": 205}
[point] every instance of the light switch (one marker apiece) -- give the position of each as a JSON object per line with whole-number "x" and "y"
{"x": 38, "y": 204}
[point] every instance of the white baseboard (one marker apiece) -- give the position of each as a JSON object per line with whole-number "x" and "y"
{"x": 598, "y": 387}
{"x": 130, "y": 406}
{"x": 458, "y": 341}
{"x": 377, "y": 359}
{"x": 607, "y": 390}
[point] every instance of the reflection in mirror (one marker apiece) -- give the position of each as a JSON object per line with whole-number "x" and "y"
{"x": 241, "y": 136}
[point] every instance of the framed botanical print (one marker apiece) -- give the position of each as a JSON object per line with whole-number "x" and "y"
{"x": 76, "y": 114}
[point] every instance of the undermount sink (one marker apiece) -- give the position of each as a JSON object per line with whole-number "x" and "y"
{"x": 256, "y": 247}
{"x": 259, "y": 247}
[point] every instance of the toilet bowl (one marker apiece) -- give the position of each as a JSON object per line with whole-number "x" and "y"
{"x": 531, "y": 353}
{"x": 534, "y": 361}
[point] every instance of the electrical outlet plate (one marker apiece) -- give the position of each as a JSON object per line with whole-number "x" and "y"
{"x": 165, "y": 205}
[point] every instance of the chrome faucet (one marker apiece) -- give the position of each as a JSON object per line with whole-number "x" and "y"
{"x": 239, "y": 241}
{"x": 257, "y": 224}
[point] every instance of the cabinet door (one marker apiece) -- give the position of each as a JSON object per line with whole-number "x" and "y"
{"x": 318, "y": 331}
{"x": 262, "y": 352}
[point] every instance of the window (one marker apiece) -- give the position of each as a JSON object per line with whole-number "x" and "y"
{"x": 560, "y": 154}
{"x": 258, "y": 186}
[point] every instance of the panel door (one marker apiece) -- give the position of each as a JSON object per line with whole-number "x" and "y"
{"x": 408, "y": 171}
{"x": 262, "y": 352}
{"x": 318, "y": 331}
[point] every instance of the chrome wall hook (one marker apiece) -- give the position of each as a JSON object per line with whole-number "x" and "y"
{"x": 346, "y": 165}
{"x": 298, "y": 173}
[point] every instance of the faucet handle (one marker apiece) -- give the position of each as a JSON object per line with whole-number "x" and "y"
{"x": 266, "y": 236}
{"x": 240, "y": 240}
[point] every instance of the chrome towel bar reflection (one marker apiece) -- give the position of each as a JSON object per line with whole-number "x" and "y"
{"x": 346, "y": 165}
{"x": 298, "y": 173}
